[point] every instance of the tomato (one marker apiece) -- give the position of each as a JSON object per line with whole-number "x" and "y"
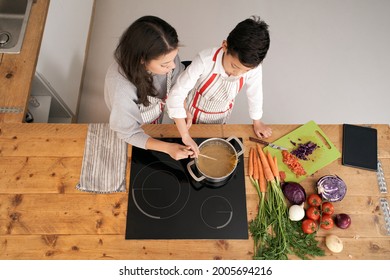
{"x": 327, "y": 221}
{"x": 313, "y": 213}
{"x": 314, "y": 200}
{"x": 327, "y": 208}
{"x": 282, "y": 175}
{"x": 309, "y": 226}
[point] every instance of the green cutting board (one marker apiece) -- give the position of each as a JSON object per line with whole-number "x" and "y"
{"x": 322, "y": 156}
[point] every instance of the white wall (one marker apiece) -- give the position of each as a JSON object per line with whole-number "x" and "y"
{"x": 329, "y": 61}
{"x": 63, "y": 48}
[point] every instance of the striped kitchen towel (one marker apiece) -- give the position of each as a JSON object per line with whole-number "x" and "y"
{"x": 103, "y": 168}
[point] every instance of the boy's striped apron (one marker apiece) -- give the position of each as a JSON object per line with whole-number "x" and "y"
{"x": 153, "y": 113}
{"x": 212, "y": 99}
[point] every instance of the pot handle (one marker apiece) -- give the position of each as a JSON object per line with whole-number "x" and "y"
{"x": 239, "y": 143}
{"x": 198, "y": 179}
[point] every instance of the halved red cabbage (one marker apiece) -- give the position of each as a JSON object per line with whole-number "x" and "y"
{"x": 331, "y": 187}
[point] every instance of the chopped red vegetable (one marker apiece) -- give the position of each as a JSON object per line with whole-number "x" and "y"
{"x": 293, "y": 164}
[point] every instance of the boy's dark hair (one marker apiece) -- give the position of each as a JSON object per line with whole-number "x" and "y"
{"x": 145, "y": 39}
{"x": 249, "y": 41}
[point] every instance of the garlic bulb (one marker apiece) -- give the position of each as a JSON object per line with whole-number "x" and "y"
{"x": 296, "y": 212}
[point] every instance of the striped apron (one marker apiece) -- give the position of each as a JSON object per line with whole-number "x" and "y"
{"x": 153, "y": 113}
{"x": 212, "y": 99}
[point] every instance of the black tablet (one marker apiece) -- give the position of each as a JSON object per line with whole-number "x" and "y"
{"x": 360, "y": 147}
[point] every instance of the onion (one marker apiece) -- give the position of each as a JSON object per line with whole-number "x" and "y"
{"x": 334, "y": 243}
{"x": 296, "y": 212}
{"x": 294, "y": 192}
{"x": 343, "y": 220}
{"x": 332, "y": 188}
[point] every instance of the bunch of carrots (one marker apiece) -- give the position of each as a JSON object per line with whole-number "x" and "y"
{"x": 262, "y": 167}
{"x": 268, "y": 229}
{"x": 275, "y": 235}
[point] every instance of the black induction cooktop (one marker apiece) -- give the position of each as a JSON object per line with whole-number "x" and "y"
{"x": 165, "y": 202}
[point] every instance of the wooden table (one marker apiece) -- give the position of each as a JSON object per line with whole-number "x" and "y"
{"x": 43, "y": 216}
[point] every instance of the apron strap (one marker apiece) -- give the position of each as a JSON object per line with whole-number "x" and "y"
{"x": 216, "y": 54}
{"x": 169, "y": 81}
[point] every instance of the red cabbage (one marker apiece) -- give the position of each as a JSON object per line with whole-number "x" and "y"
{"x": 331, "y": 187}
{"x": 294, "y": 192}
{"x": 304, "y": 150}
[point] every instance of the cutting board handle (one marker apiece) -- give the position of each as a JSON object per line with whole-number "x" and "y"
{"x": 323, "y": 139}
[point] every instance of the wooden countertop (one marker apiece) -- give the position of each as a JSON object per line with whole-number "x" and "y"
{"x": 17, "y": 70}
{"x": 43, "y": 216}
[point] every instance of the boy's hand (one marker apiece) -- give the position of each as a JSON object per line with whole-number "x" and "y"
{"x": 191, "y": 145}
{"x": 261, "y": 130}
{"x": 186, "y": 138}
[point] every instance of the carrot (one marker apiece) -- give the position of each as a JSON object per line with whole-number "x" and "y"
{"x": 262, "y": 184}
{"x": 267, "y": 170}
{"x": 274, "y": 167}
{"x": 255, "y": 166}
{"x": 277, "y": 176}
{"x": 250, "y": 164}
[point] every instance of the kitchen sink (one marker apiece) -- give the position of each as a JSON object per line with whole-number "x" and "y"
{"x": 14, "y": 16}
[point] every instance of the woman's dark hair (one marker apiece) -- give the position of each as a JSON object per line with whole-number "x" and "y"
{"x": 249, "y": 41}
{"x": 145, "y": 39}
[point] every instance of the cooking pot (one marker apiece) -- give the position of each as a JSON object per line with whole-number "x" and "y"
{"x": 225, "y": 162}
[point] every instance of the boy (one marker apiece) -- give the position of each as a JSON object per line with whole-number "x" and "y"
{"x": 206, "y": 91}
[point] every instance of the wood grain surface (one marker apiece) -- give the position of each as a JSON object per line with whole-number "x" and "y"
{"x": 43, "y": 216}
{"x": 17, "y": 70}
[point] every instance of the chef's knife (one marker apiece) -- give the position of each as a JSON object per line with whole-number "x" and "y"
{"x": 272, "y": 145}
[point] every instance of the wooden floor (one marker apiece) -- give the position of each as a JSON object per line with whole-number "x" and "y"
{"x": 43, "y": 216}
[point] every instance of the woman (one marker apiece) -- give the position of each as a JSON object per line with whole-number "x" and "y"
{"x": 136, "y": 84}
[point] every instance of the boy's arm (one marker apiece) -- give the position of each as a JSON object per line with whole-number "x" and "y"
{"x": 254, "y": 93}
{"x": 185, "y": 135}
{"x": 184, "y": 84}
{"x": 176, "y": 103}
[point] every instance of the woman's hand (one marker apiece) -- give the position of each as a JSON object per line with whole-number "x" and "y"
{"x": 177, "y": 151}
{"x": 174, "y": 150}
{"x": 261, "y": 130}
